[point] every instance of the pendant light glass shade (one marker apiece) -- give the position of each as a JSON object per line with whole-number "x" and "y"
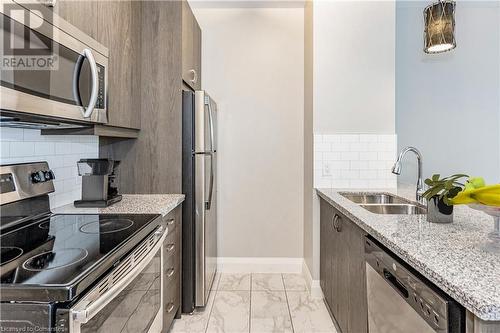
{"x": 439, "y": 19}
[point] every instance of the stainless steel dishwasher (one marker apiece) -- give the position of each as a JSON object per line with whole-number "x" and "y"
{"x": 400, "y": 300}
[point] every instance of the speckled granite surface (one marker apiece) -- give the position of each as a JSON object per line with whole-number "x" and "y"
{"x": 456, "y": 257}
{"x": 131, "y": 204}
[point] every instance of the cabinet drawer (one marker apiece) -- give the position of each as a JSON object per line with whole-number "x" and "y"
{"x": 171, "y": 302}
{"x": 171, "y": 269}
{"x": 171, "y": 222}
{"x": 171, "y": 245}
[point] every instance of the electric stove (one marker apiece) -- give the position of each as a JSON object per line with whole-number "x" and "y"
{"x": 55, "y": 258}
{"x": 65, "y": 272}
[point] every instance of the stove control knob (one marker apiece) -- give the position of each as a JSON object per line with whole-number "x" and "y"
{"x": 49, "y": 175}
{"x": 37, "y": 177}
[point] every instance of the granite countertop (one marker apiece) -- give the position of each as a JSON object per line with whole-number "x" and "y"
{"x": 131, "y": 204}
{"x": 453, "y": 256}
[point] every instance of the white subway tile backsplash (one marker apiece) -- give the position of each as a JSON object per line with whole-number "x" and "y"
{"x": 386, "y": 156}
{"x": 22, "y": 149}
{"x": 368, "y": 155}
{"x": 359, "y": 165}
{"x": 332, "y": 156}
{"x": 5, "y": 149}
{"x": 332, "y": 138}
{"x": 349, "y": 138}
{"x": 11, "y": 134}
{"x": 339, "y": 165}
{"x": 354, "y": 160}
{"x": 63, "y": 148}
{"x": 358, "y": 146}
{"x": 340, "y": 147}
{"x": 44, "y": 148}
{"x": 350, "y": 156}
{"x": 322, "y": 147}
{"x": 60, "y": 151}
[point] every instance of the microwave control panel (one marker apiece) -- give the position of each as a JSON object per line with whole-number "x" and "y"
{"x": 100, "y": 104}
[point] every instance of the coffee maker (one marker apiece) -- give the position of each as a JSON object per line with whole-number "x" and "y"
{"x": 98, "y": 182}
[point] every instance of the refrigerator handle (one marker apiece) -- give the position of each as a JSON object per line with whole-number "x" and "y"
{"x": 211, "y": 121}
{"x": 208, "y": 203}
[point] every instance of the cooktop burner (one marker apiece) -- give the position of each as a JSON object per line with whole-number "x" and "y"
{"x": 106, "y": 226}
{"x": 9, "y": 253}
{"x": 55, "y": 259}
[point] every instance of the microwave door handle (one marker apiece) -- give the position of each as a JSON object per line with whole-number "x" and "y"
{"x": 95, "y": 85}
{"x": 76, "y": 79}
{"x": 83, "y": 316}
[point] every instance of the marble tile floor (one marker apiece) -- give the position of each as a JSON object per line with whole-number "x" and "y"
{"x": 258, "y": 303}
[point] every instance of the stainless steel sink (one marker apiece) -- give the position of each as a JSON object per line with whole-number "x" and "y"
{"x": 399, "y": 209}
{"x": 374, "y": 198}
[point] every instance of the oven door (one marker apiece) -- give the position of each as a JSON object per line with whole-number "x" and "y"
{"x": 129, "y": 298}
{"x": 46, "y": 72}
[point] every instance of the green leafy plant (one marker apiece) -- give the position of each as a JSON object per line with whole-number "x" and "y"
{"x": 444, "y": 188}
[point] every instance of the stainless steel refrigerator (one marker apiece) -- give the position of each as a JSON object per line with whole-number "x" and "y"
{"x": 199, "y": 179}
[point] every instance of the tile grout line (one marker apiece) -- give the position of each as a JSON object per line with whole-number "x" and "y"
{"x": 213, "y": 303}
{"x": 287, "y": 303}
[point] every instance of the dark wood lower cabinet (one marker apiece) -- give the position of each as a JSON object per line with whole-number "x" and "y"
{"x": 342, "y": 269}
{"x": 172, "y": 278}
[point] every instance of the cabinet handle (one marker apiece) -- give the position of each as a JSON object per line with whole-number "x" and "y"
{"x": 170, "y": 247}
{"x": 195, "y": 76}
{"x": 170, "y": 221}
{"x": 170, "y": 272}
{"x": 336, "y": 223}
{"x": 170, "y": 307}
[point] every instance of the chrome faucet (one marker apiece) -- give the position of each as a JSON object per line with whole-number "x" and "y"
{"x": 396, "y": 169}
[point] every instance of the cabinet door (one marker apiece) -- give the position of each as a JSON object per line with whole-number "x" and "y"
{"x": 325, "y": 261}
{"x": 119, "y": 25}
{"x": 81, "y": 14}
{"x": 340, "y": 289}
{"x": 357, "y": 303}
{"x": 191, "y": 48}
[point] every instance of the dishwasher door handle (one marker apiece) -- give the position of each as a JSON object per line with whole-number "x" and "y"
{"x": 401, "y": 288}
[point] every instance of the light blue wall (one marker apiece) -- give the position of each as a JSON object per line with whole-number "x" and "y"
{"x": 448, "y": 105}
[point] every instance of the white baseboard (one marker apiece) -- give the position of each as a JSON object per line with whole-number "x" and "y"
{"x": 313, "y": 285}
{"x": 259, "y": 265}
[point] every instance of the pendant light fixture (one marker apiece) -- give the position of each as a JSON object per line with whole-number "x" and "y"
{"x": 439, "y": 20}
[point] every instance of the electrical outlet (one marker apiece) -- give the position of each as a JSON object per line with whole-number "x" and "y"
{"x": 326, "y": 169}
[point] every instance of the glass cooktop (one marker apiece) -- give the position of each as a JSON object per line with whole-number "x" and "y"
{"x": 61, "y": 249}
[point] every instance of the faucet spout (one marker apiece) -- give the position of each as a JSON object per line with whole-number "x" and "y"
{"x": 396, "y": 169}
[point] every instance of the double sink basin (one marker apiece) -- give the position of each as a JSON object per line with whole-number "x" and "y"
{"x": 383, "y": 203}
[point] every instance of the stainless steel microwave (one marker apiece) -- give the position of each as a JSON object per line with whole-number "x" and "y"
{"x": 51, "y": 73}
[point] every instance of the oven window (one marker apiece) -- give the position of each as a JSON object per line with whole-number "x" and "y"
{"x": 135, "y": 308}
{"x": 54, "y": 84}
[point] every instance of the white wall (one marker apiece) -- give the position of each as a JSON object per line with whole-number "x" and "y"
{"x": 60, "y": 151}
{"x": 354, "y": 103}
{"x": 253, "y": 60}
{"x": 448, "y": 104}
{"x": 354, "y": 43}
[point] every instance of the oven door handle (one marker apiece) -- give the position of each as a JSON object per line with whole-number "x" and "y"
{"x": 82, "y": 316}
{"x": 87, "y": 53}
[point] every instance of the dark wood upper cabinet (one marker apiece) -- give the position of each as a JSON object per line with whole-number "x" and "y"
{"x": 81, "y": 14}
{"x": 119, "y": 30}
{"x": 191, "y": 48}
